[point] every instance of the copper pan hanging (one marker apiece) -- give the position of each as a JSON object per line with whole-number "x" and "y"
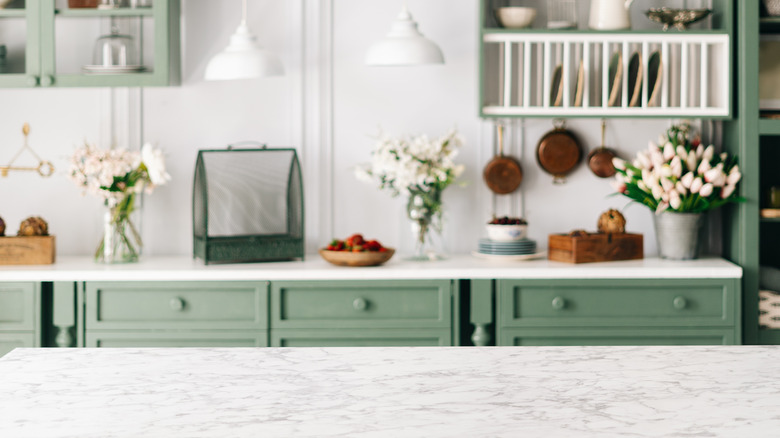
{"x": 502, "y": 174}
{"x": 558, "y": 152}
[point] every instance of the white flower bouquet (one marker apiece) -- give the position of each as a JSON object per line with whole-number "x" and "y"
{"x": 116, "y": 176}
{"x": 420, "y": 168}
{"x": 413, "y": 165}
{"x": 679, "y": 174}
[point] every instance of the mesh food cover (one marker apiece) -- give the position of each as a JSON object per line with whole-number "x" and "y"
{"x": 247, "y": 205}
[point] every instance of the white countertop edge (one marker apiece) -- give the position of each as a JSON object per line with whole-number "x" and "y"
{"x": 184, "y": 268}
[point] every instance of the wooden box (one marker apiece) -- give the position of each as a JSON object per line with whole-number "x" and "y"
{"x": 24, "y": 250}
{"x": 596, "y": 247}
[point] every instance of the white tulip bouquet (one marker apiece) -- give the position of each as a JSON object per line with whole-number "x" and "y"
{"x": 679, "y": 174}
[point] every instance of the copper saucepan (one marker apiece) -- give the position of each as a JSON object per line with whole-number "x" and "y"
{"x": 600, "y": 159}
{"x": 558, "y": 152}
{"x": 502, "y": 174}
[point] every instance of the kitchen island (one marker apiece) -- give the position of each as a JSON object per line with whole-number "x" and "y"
{"x": 714, "y": 391}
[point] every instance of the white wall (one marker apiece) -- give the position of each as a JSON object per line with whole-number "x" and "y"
{"x": 333, "y": 135}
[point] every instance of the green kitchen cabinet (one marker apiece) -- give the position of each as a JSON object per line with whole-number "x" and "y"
{"x": 617, "y": 311}
{"x": 286, "y": 313}
{"x": 180, "y": 313}
{"x": 364, "y": 313}
{"x": 20, "y": 315}
{"x": 47, "y": 47}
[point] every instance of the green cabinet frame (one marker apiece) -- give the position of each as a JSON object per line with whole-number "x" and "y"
{"x": 41, "y": 45}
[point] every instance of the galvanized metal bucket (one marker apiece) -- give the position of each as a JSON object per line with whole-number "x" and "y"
{"x": 678, "y": 234}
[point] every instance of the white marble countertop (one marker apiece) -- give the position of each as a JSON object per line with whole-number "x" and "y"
{"x": 715, "y": 391}
{"x": 315, "y": 268}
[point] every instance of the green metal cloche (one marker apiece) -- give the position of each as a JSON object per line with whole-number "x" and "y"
{"x": 247, "y": 205}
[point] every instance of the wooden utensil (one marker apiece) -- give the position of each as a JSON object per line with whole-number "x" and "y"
{"x": 600, "y": 159}
{"x": 558, "y": 152}
{"x": 579, "y": 87}
{"x": 502, "y": 174}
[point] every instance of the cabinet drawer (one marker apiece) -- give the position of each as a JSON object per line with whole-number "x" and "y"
{"x": 360, "y": 338}
{"x": 614, "y": 336}
{"x": 18, "y": 306}
{"x": 174, "y": 339}
{"x": 9, "y": 341}
{"x": 179, "y": 305}
{"x": 598, "y": 303}
{"x": 356, "y": 304}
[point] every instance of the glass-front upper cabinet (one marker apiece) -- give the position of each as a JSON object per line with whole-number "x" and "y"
{"x": 90, "y": 43}
{"x": 20, "y": 54}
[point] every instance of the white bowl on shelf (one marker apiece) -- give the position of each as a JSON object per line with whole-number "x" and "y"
{"x": 506, "y": 233}
{"x": 515, "y": 17}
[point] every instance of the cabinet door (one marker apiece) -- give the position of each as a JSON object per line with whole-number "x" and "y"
{"x": 614, "y": 336}
{"x": 18, "y": 306}
{"x": 635, "y": 303}
{"x": 143, "y": 305}
{"x": 361, "y": 304}
{"x": 69, "y": 45}
{"x": 360, "y": 338}
{"x": 9, "y": 341}
{"x": 20, "y": 51}
{"x": 222, "y": 338}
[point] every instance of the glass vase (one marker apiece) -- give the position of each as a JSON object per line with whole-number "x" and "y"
{"x": 121, "y": 242}
{"x": 424, "y": 209}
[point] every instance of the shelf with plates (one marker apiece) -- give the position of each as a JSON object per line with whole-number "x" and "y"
{"x": 616, "y": 74}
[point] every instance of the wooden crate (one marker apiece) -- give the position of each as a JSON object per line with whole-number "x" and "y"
{"x": 597, "y": 247}
{"x": 23, "y": 250}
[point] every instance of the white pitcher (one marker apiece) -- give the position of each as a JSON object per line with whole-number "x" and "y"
{"x": 610, "y": 14}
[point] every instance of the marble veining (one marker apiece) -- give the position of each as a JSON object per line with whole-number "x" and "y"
{"x": 314, "y": 268}
{"x": 716, "y": 391}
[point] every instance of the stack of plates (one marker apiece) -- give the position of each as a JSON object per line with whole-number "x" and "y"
{"x": 512, "y": 248}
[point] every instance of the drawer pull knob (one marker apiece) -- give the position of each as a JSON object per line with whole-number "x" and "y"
{"x": 680, "y": 303}
{"x": 177, "y": 304}
{"x": 360, "y": 304}
{"x": 558, "y": 303}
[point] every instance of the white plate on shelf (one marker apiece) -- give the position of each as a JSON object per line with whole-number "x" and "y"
{"x": 103, "y": 69}
{"x": 512, "y": 257}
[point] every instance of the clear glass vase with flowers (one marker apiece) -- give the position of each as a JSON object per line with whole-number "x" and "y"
{"x": 118, "y": 176}
{"x": 419, "y": 168}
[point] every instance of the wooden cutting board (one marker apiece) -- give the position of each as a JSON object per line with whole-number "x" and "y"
{"x": 23, "y": 250}
{"x": 595, "y": 247}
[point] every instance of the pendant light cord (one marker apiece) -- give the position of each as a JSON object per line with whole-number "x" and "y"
{"x": 243, "y": 13}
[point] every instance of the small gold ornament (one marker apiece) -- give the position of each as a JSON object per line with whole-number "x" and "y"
{"x": 612, "y": 222}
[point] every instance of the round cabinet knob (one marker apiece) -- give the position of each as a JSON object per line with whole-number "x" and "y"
{"x": 47, "y": 81}
{"x": 558, "y": 303}
{"x": 32, "y": 81}
{"x": 176, "y": 304}
{"x": 360, "y": 304}
{"x": 680, "y": 303}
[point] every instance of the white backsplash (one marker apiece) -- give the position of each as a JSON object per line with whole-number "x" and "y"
{"x": 278, "y": 111}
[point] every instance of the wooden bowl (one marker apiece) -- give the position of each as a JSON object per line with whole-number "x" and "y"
{"x": 365, "y": 258}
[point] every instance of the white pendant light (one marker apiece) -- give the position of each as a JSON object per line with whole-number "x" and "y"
{"x": 404, "y": 45}
{"x": 243, "y": 58}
